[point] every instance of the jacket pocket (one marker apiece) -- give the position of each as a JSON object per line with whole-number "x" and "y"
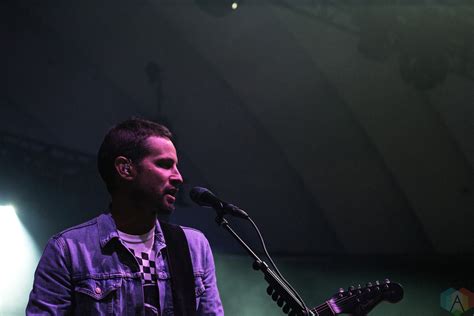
{"x": 96, "y": 296}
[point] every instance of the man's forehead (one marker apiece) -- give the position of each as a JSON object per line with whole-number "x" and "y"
{"x": 158, "y": 145}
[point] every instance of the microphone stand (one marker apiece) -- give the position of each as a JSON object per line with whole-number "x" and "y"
{"x": 277, "y": 289}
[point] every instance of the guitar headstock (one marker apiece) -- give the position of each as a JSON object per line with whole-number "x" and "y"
{"x": 360, "y": 300}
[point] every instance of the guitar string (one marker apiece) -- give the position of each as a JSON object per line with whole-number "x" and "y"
{"x": 320, "y": 309}
{"x": 337, "y": 301}
{"x": 326, "y": 305}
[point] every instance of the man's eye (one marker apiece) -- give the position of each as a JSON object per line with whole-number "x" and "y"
{"x": 165, "y": 164}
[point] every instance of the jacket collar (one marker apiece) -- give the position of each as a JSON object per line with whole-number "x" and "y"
{"x": 108, "y": 230}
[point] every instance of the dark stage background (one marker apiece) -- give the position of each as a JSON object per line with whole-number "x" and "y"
{"x": 345, "y": 128}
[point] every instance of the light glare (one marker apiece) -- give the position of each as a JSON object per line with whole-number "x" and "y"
{"x": 18, "y": 263}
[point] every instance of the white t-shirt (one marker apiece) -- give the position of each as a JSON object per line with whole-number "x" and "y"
{"x": 141, "y": 247}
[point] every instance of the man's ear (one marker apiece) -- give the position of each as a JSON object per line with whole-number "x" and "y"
{"x": 125, "y": 168}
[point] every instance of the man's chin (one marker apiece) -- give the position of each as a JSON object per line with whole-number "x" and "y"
{"x": 165, "y": 210}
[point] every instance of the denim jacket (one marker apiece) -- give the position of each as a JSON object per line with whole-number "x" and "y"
{"x": 86, "y": 270}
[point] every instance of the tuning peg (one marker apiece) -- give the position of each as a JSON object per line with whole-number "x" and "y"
{"x": 286, "y": 308}
{"x": 293, "y": 313}
{"x": 359, "y": 287}
{"x": 341, "y": 290}
{"x": 275, "y": 296}
{"x": 369, "y": 284}
{"x": 387, "y": 281}
{"x": 280, "y": 301}
{"x": 351, "y": 288}
{"x": 377, "y": 282}
{"x": 269, "y": 290}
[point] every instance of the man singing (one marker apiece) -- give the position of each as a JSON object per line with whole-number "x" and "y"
{"x": 125, "y": 261}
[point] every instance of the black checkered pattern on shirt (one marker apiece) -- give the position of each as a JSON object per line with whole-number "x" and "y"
{"x": 147, "y": 266}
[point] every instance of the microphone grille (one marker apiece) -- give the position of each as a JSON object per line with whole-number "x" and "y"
{"x": 196, "y": 192}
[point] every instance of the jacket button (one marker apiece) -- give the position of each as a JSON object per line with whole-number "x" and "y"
{"x": 98, "y": 290}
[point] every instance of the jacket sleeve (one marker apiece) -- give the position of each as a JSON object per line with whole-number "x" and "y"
{"x": 51, "y": 293}
{"x": 210, "y": 303}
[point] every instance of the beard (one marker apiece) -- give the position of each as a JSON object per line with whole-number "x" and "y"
{"x": 163, "y": 207}
{"x": 153, "y": 201}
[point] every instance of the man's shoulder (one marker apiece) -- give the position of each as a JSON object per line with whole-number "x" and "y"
{"x": 199, "y": 249}
{"x": 192, "y": 231}
{"x": 195, "y": 237}
{"x": 78, "y": 230}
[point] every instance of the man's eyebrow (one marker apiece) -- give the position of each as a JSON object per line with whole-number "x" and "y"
{"x": 163, "y": 157}
{"x": 166, "y": 159}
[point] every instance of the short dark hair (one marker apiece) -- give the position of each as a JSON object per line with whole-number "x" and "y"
{"x": 126, "y": 139}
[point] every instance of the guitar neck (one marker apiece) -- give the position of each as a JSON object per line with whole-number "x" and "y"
{"x": 323, "y": 310}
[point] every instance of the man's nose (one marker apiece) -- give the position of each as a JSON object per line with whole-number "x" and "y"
{"x": 176, "y": 178}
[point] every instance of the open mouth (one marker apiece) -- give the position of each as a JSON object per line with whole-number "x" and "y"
{"x": 171, "y": 192}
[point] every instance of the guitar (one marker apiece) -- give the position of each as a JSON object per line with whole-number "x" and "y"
{"x": 361, "y": 300}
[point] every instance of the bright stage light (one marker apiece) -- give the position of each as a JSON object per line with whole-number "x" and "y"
{"x": 17, "y": 264}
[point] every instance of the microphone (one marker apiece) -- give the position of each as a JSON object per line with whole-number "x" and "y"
{"x": 204, "y": 197}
